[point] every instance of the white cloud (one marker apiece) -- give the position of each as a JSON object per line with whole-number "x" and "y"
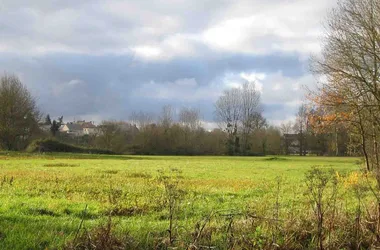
{"x": 292, "y": 26}
{"x": 75, "y": 82}
{"x": 147, "y": 51}
{"x": 277, "y": 87}
{"x": 256, "y": 78}
{"x": 166, "y": 29}
{"x": 278, "y": 122}
{"x": 253, "y": 77}
{"x": 292, "y": 92}
{"x": 209, "y": 125}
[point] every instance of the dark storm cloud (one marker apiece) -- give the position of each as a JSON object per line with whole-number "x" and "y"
{"x": 74, "y": 84}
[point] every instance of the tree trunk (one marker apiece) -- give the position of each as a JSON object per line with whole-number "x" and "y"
{"x": 336, "y": 142}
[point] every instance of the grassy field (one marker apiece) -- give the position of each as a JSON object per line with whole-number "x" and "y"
{"x": 48, "y": 200}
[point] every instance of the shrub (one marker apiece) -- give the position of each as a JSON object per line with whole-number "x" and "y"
{"x": 51, "y": 145}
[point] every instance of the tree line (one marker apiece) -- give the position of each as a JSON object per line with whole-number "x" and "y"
{"x": 170, "y": 134}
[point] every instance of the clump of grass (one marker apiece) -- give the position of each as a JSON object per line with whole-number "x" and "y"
{"x": 102, "y": 237}
{"x": 7, "y": 181}
{"x": 67, "y": 211}
{"x": 110, "y": 171}
{"x": 140, "y": 175}
{"x": 87, "y": 215}
{"x": 125, "y": 211}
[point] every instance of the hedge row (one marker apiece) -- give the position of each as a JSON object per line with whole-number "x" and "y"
{"x": 51, "y": 145}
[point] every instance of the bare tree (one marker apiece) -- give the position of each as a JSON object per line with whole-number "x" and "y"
{"x": 141, "y": 119}
{"x": 237, "y": 110}
{"x": 19, "y": 115}
{"x": 166, "y": 117}
{"x": 250, "y": 113}
{"x": 190, "y": 118}
{"x": 300, "y": 127}
{"x": 228, "y": 114}
{"x": 286, "y": 129}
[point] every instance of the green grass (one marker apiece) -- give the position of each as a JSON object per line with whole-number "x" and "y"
{"x": 43, "y": 197}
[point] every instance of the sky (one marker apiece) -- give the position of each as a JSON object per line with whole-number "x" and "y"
{"x": 95, "y": 59}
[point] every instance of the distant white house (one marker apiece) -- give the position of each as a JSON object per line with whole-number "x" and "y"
{"x": 74, "y": 129}
{"x": 89, "y": 128}
{"x": 79, "y": 128}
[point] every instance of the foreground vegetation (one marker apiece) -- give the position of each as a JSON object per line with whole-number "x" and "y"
{"x": 83, "y": 201}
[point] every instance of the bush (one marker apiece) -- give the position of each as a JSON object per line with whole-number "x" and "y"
{"x": 101, "y": 237}
{"x": 51, "y": 145}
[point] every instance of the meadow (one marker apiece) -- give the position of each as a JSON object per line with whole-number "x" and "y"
{"x": 53, "y": 201}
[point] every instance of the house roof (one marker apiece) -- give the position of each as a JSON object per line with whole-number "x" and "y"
{"x": 88, "y": 125}
{"x": 74, "y": 127}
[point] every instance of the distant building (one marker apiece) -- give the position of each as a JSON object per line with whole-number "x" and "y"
{"x": 292, "y": 143}
{"x": 89, "y": 128}
{"x": 73, "y": 129}
{"x": 79, "y": 128}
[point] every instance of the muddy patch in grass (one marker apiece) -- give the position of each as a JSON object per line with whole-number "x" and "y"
{"x": 61, "y": 165}
{"x": 126, "y": 211}
{"x": 276, "y": 159}
{"x": 42, "y": 211}
{"x": 2, "y": 236}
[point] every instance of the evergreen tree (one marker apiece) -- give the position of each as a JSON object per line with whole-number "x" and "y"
{"x": 47, "y": 120}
